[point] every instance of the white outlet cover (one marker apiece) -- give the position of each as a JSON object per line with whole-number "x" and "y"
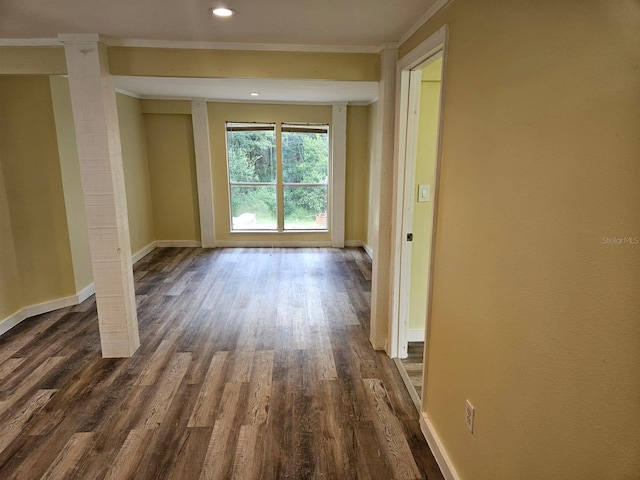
{"x": 468, "y": 416}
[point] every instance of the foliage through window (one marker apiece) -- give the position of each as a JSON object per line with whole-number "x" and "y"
{"x": 305, "y": 176}
{"x": 268, "y": 193}
{"x": 251, "y": 155}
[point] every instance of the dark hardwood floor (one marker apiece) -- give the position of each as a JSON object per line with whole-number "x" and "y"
{"x": 414, "y": 365}
{"x": 254, "y": 364}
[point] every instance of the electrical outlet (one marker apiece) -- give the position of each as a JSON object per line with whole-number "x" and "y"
{"x": 468, "y": 416}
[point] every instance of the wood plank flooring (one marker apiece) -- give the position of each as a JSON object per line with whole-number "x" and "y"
{"x": 254, "y": 364}
{"x": 414, "y": 365}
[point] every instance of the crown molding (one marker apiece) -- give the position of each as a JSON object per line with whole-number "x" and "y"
{"x": 263, "y": 47}
{"x": 85, "y": 38}
{"x": 30, "y": 42}
{"x": 187, "y": 45}
{"x": 435, "y": 8}
{"x": 128, "y": 93}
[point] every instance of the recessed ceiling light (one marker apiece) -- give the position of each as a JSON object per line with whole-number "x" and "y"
{"x": 222, "y": 12}
{"x": 254, "y": 94}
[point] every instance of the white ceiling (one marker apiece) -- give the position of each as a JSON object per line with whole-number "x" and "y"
{"x": 332, "y": 25}
{"x": 238, "y": 89}
{"x": 299, "y": 22}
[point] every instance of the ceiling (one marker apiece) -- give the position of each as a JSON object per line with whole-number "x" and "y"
{"x": 293, "y": 22}
{"x": 239, "y": 89}
{"x": 332, "y": 25}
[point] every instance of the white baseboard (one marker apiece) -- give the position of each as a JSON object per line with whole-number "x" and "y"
{"x": 45, "y": 307}
{"x": 440, "y": 454}
{"x": 11, "y": 321}
{"x": 38, "y": 309}
{"x": 369, "y": 250}
{"x": 354, "y": 243}
{"x": 416, "y": 335}
{"x": 407, "y": 382}
{"x": 33, "y": 310}
{"x": 269, "y": 243}
{"x": 143, "y": 252}
{"x": 178, "y": 243}
{"x": 86, "y": 292}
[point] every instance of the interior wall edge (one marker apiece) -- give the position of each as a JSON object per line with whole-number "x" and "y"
{"x": 439, "y": 452}
{"x": 80, "y": 296}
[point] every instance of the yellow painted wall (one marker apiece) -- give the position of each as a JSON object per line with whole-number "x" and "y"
{"x": 219, "y": 113}
{"x": 172, "y": 173}
{"x": 166, "y": 106}
{"x": 176, "y": 62}
{"x": 535, "y": 316}
{"x": 423, "y": 211}
{"x": 372, "y": 223}
{"x": 72, "y": 186}
{"x": 357, "y": 179}
{"x": 32, "y": 61}
{"x": 133, "y": 138}
{"x": 10, "y": 292}
{"x": 29, "y": 155}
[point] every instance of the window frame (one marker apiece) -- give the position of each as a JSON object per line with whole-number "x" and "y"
{"x": 279, "y": 183}
{"x": 290, "y": 127}
{"x": 251, "y": 126}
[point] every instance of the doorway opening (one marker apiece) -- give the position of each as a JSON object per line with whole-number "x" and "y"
{"x": 419, "y": 132}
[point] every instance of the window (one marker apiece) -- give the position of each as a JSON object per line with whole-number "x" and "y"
{"x": 251, "y": 158}
{"x": 305, "y": 176}
{"x": 285, "y": 193}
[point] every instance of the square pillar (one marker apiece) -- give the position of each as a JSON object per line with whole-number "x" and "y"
{"x": 93, "y": 100}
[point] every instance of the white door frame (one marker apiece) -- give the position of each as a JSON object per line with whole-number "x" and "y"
{"x": 405, "y": 157}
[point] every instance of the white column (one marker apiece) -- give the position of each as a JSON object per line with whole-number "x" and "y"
{"x": 204, "y": 173}
{"x": 338, "y": 172}
{"x": 383, "y": 206}
{"x": 93, "y": 100}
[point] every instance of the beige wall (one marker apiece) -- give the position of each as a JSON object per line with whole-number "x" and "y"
{"x": 219, "y": 113}
{"x": 72, "y": 185}
{"x": 32, "y": 61}
{"x": 372, "y": 222}
{"x": 175, "y": 62}
{"x": 357, "y": 180}
{"x": 31, "y": 168}
{"x": 423, "y": 211}
{"x": 172, "y": 174}
{"x": 10, "y": 292}
{"x": 535, "y": 317}
{"x": 133, "y": 138}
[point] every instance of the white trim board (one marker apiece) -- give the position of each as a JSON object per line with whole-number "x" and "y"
{"x": 178, "y": 243}
{"x": 11, "y": 321}
{"x": 143, "y": 252}
{"x": 38, "y": 309}
{"x": 415, "y": 335}
{"x": 354, "y": 243}
{"x": 435, "y": 8}
{"x": 436, "y": 43}
{"x": 338, "y": 173}
{"x": 407, "y": 383}
{"x": 258, "y": 47}
{"x": 274, "y": 243}
{"x": 86, "y": 292}
{"x": 437, "y": 448}
{"x": 46, "y": 307}
{"x": 204, "y": 172}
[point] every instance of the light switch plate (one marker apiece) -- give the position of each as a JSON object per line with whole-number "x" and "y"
{"x": 424, "y": 193}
